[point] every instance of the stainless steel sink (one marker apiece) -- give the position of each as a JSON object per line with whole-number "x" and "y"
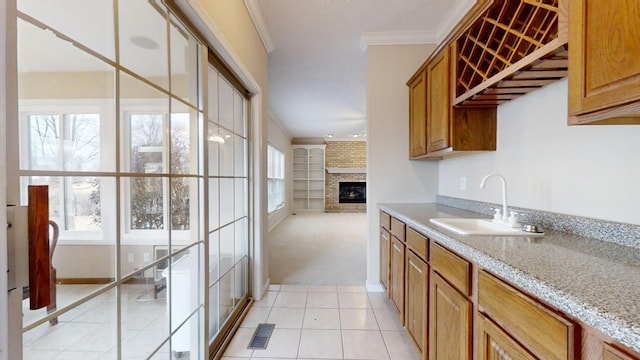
{"x": 464, "y": 226}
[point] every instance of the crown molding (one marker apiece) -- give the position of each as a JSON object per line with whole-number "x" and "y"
{"x": 261, "y": 26}
{"x": 196, "y": 12}
{"x": 397, "y": 38}
{"x": 454, "y": 15}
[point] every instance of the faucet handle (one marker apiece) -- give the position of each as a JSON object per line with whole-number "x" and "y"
{"x": 498, "y": 215}
{"x": 513, "y": 219}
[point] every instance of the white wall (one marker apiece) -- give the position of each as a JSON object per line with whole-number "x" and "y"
{"x": 4, "y": 311}
{"x": 280, "y": 139}
{"x": 242, "y": 48}
{"x": 391, "y": 176}
{"x": 590, "y": 171}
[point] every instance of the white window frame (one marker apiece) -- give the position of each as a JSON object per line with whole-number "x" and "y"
{"x": 147, "y": 236}
{"x": 276, "y": 172}
{"x": 102, "y": 107}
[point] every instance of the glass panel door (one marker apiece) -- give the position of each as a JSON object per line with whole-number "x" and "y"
{"x": 227, "y": 201}
{"x": 115, "y": 126}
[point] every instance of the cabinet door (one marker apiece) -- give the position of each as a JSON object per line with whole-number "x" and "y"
{"x": 611, "y": 353}
{"x": 604, "y": 69}
{"x": 385, "y": 245}
{"x": 416, "y": 309}
{"x": 418, "y": 116}
{"x": 495, "y": 344}
{"x": 397, "y": 275}
{"x": 439, "y": 102}
{"x": 449, "y": 322}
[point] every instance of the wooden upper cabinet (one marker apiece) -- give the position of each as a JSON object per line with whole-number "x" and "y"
{"x": 437, "y": 129}
{"x": 604, "y": 70}
{"x": 438, "y": 101}
{"x": 418, "y": 116}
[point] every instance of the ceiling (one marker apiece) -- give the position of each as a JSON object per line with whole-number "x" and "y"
{"x": 317, "y": 61}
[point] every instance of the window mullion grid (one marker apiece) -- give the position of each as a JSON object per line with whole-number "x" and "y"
{"x": 118, "y": 180}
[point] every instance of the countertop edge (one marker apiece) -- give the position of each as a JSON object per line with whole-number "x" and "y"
{"x": 617, "y": 329}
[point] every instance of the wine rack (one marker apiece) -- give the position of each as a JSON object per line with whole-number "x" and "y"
{"x": 514, "y": 47}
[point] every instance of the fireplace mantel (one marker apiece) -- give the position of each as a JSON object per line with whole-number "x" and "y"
{"x": 347, "y": 170}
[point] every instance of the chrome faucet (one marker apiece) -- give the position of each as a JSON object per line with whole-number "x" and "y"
{"x": 504, "y": 217}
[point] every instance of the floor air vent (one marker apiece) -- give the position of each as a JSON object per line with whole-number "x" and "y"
{"x": 261, "y": 337}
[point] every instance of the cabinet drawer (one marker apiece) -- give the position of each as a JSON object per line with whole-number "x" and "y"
{"x": 417, "y": 243}
{"x": 453, "y": 268}
{"x": 542, "y": 331}
{"x": 385, "y": 220}
{"x": 611, "y": 353}
{"x": 397, "y": 229}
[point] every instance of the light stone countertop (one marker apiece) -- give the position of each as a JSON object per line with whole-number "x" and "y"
{"x": 591, "y": 280}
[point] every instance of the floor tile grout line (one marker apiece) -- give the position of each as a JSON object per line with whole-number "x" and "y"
{"x": 341, "y": 333}
{"x": 300, "y": 337}
{"x": 341, "y": 329}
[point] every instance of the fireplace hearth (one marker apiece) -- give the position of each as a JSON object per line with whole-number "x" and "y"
{"x": 352, "y": 192}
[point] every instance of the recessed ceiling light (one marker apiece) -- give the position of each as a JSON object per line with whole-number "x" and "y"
{"x": 329, "y": 135}
{"x": 354, "y": 135}
{"x": 144, "y": 42}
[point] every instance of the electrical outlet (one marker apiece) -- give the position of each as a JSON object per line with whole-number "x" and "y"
{"x": 130, "y": 257}
{"x": 463, "y": 183}
{"x": 145, "y": 257}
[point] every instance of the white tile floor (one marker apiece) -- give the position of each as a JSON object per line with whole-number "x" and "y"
{"x": 89, "y": 331}
{"x": 324, "y": 322}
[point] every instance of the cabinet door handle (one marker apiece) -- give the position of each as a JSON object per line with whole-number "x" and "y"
{"x": 415, "y": 266}
{"x": 396, "y": 248}
{"x": 385, "y": 237}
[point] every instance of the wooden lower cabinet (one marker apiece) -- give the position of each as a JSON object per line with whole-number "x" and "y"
{"x": 450, "y": 322}
{"x": 611, "y": 353}
{"x": 441, "y": 296}
{"x": 385, "y": 245}
{"x": 396, "y": 276}
{"x": 545, "y": 333}
{"x": 495, "y": 344}
{"x": 417, "y": 274}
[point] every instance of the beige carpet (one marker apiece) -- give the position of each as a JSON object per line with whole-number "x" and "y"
{"x": 319, "y": 249}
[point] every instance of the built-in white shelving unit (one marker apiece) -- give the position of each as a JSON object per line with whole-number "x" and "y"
{"x": 308, "y": 177}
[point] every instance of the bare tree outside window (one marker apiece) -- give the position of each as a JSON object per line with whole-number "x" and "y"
{"x": 68, "y": 142}
{"x": 148, "y": 156}
{"x": 180, "y": 164}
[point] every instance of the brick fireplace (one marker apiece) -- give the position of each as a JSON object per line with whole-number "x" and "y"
{"x": 345, "y": 162}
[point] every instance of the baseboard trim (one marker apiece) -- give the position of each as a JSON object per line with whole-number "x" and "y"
{"x": 376, "y": 287}
{"x": 278, "y": 221}
{"x": 79, "y": 281}
{"x": 265, "y": 288}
